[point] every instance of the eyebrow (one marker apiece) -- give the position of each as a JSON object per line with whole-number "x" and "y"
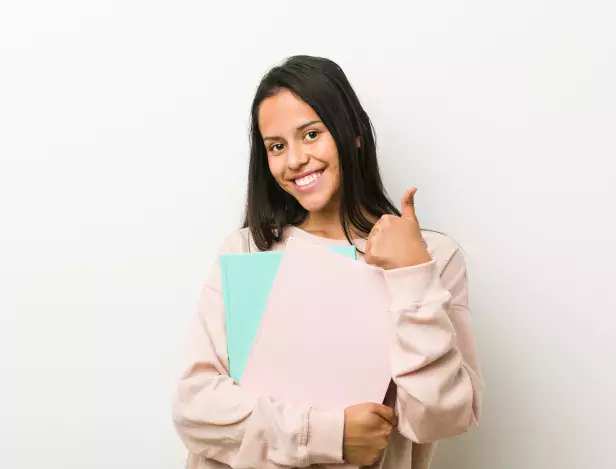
{"x": 301, "y": 127}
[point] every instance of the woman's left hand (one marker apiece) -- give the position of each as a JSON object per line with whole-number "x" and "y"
{"x": 396, "y": 242}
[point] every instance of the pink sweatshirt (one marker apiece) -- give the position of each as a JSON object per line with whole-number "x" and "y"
{"x": 435, "y": 390}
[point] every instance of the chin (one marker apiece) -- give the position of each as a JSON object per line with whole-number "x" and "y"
{"x": 312, "y": 208}
{"x": 314, "y": 205}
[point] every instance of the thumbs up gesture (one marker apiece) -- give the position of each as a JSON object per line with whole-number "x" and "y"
{"x": 396, "y": 242}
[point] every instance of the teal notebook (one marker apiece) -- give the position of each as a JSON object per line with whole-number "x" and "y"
{"x": 246, "y": 282}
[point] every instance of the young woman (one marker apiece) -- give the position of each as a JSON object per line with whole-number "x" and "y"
{"x": 314, "y": 174}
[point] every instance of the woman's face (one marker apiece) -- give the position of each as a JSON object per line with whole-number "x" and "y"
{"x": 301, "y": 152}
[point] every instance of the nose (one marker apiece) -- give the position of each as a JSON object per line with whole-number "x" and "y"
{"x": 296, "y": 157}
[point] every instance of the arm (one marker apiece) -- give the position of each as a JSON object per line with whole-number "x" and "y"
{"x": 216, "y": 419}
{"x": 434, "y": 362}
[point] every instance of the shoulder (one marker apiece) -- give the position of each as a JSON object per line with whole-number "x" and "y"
{"x": 442, "y": 248}
{"x": 235, "y": 243}
{"x": 240, "y": 241}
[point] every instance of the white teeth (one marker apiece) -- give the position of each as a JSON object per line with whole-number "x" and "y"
{"x": 308, "y": 179}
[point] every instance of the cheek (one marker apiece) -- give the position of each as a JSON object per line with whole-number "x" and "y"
{"x": 276, "y": 168}
{"x": 327, "y": 152}
{"x": 334, "y": 168}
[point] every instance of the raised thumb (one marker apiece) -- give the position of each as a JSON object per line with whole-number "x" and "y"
{"x": 408, "y": 203}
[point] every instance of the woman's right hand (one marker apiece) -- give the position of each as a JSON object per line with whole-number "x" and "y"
{"x": 366, "y": 432}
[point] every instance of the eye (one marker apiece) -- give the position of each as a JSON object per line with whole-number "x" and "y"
{"x": 312, "y": 135}
{"x": 276, "y": 147}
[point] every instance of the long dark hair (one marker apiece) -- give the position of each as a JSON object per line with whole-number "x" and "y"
{"x": 321, "y": 84}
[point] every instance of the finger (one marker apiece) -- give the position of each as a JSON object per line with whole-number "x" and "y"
{"x": 408, "y": 203}
{"x": 377, "y": 225}
{"x": 373, "y": 236}
{"x": 394, "y": 420}
{"x": 368, "y": 255}
{"x": 375, "y": 229}
{"x": 373, "y": 244}
{"x": 387, "y": 413}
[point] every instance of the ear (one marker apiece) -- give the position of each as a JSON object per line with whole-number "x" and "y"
{"x": 357, "y": 142}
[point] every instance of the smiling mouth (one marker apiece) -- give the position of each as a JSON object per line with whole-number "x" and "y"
{"x": 308, "y": 182}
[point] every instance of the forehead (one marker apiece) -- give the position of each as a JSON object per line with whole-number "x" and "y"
{"x": 283, "y": 113}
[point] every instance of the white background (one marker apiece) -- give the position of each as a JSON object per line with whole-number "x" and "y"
{"x": 123, "y": 146}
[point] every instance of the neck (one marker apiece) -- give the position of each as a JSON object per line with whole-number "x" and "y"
{"x": 324, "y": 226}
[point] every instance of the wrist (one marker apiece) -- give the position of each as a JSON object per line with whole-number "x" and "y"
{"x": 418, "y": 257}
{"x": 325, "y": 437}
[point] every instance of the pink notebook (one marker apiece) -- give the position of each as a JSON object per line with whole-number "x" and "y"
{"x": 324, "y": 337}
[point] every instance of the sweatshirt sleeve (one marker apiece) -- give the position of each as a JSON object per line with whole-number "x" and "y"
{"x": 434, "y": 360}
{"x": 216, "y": 419}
